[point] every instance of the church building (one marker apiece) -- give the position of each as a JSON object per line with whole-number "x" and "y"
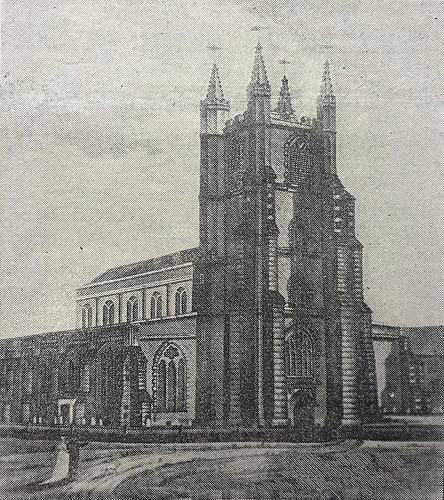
{"x": 264, "y": 324}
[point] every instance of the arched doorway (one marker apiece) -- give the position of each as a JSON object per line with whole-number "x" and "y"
{"x": 301, "y": 412}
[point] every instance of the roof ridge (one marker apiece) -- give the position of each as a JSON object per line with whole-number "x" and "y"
{"x": 158, "y": 261}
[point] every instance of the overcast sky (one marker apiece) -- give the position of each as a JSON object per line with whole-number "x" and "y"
{"x": 99, "y": 133}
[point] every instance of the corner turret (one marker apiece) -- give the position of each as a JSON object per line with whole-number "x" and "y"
{"x": 326, "y": 102}
{"x": 214, "y": 108}
{"x": 259, "y": 90}
{"x": 284, "y": 107}
{"x": 326, "y": 107}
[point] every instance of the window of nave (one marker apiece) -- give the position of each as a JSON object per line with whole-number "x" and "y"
{"x": 169, "y": 372}
{"x": 299, "y": 354}
{"x": 181, "y": 299}
{"x": 87, "y": 314}
{"x": 156, "y": 305}
{"x": 108, "y": 313}
{"x": 132, "y": 309}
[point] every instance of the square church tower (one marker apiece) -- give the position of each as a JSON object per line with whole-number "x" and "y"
{"x": 283, "y": 333}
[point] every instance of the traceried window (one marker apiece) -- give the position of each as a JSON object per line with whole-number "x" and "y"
{"x": 181, "y": 301}
{"x": 87, "y": 313}
{"x": 297, "y": 160}
{"x": 108, "y": 313}
{"x": 300, "y": 354}
{"x": 156, "y": 305}
{"x": 170, "y": 373}
{"x": 132, "y": 309}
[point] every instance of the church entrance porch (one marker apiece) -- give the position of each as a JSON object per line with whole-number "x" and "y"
{"x": 65, "y": 411}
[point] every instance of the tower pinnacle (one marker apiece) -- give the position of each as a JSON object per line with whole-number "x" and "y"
{"x": 215, "y": 94}
{"x": 259, "y": 90}
{"x": 284, "y": 107}
{"x": 326, "y": 86}
{"x": 259, "y": 79}
{"x": 214, "y": 108}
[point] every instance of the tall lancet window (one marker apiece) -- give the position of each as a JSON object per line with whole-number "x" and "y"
{"x": 87, "y": 313}
{"x": 156, "y": 305}
{"x": 300, "y": 354}
{"x": 181, "y": 301}
{"x": 169, "y": 372}
{"x": 132, "y": 309}
{"x": 108, "y": 313}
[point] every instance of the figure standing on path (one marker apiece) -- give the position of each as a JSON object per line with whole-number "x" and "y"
{"x": 74, "y": 444}
{"x": 61, "y": 467}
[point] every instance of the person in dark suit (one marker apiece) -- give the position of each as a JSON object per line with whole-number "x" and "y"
{"x": 74, "y": 444}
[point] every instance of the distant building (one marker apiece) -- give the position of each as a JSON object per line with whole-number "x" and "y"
{"x": 409, "y": 369}
{"x": 264, "y": 324}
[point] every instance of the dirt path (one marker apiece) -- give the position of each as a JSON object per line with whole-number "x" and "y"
{"x": 106, "y": 476}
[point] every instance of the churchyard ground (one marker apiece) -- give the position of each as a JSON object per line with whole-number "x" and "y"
{"x": 347, "y": 470}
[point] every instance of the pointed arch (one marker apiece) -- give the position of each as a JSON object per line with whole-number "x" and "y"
{"x": 87, "y": 314}
{"x": 297, "y": 159}
{"x": 132, "y": 309}
{"x": 156, "y": 305}
{"x": 300, "y": 354}
{"x": 108, "y": 313}
{"x": 181, "y": 300}
{"x": 169, "y": 378}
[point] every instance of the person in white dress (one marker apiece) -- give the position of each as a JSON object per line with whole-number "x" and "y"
{"x": 61, "y": 467}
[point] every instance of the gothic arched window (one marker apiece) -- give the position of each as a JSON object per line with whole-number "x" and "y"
{"x": 181, "y": 301}
{"x": 297, "y": 160}
{"x": 108, "y": 313}
{"x": 171, "y": 390}
{"x": 300, "y": 354}
{"x": 132, "y": 309}
{"x": 87, "y": 316}
{"x": 156, "y": 305}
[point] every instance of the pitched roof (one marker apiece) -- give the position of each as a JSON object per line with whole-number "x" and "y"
{"x": 145, "y": 266}
{"x": 425, "y": 339}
